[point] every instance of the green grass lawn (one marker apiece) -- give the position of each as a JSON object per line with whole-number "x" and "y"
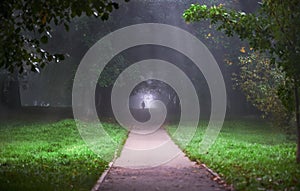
{"x": 51, "y": 156}
{"x": 251, "y": 155}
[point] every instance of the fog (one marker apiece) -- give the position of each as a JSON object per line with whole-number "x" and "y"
{"x": 48, "y": 94}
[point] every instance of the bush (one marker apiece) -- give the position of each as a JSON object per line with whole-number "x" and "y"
{"x": 262, "y": 83}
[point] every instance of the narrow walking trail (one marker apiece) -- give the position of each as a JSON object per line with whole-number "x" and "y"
{"x": 153, "y": 162}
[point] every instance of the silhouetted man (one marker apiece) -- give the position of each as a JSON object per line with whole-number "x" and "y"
{"x": 143, "y": 105}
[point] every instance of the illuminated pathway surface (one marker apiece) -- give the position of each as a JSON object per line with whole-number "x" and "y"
{"x": 144, "y": 164}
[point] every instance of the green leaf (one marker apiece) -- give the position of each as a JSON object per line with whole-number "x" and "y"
{"x": 44, "y": 39}
{"x": 105, "y": 16}
{"x": 109, "y": 7}
{"x": 116, "y": 5}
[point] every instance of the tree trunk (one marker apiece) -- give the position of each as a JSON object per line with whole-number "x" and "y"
{"x": 297, "y": 121}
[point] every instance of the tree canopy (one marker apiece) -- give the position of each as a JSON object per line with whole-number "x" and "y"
{"x": 26, "y": 26}
{"x": 274, "y": 28}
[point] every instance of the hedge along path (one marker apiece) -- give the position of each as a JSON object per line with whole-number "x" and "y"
{"x": 138, "y": 169}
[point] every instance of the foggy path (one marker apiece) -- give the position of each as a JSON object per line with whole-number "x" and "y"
{"x": 151, "y": 150}
{"x": 154, "y": 162}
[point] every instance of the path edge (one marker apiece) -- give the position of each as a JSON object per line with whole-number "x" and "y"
{"x": 102, "y": 177}
{"x": 104, "y": 174}
{"x": 216, "y": 177}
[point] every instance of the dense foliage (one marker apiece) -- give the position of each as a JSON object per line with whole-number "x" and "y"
{"x": 274, "y": 28}
{"x": 261, "y": 81}
{"x": 26, "y": 25}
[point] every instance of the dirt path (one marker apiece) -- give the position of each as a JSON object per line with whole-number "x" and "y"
{"x": 152, "y": 162}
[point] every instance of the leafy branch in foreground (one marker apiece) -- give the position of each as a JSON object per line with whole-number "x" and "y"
{"x": 26, "y": 25}
{"x": 274, "y": 28}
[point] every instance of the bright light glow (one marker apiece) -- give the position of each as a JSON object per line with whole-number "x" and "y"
{"x": 147, "y": 99}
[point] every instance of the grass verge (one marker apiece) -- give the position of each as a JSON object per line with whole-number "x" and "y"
{"x": 51, "y": 156}
{"x": 250, "y": 155}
